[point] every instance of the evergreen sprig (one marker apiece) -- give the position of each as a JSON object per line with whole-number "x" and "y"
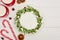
{"x": 35, "y": 12}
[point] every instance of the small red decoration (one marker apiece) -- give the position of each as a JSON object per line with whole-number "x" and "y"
{"x": 10, "y": 18}
{"x": 13, "y": 9}
{"x": 20, "y": 37}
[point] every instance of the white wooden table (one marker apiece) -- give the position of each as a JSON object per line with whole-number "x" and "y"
{"x": 50, "y": 11}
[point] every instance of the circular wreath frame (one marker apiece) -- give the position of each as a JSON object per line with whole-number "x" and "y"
{"x": 35, "y": 12}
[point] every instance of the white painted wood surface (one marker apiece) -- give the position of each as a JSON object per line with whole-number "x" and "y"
{"x": 50, "y": 11}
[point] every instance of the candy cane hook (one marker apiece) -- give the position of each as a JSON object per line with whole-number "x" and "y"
{"x": 9, "y": 27}
{"x": 3, "y": 30}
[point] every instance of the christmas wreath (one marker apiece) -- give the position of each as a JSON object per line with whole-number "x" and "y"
{"x": 18, "y": 24}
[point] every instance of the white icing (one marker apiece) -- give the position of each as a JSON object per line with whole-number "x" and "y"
{"x": 28, "y": 20}
{"x": 2, "y": 10}
{"x": 7, "y": 1}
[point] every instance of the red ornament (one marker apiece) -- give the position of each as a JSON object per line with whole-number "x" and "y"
{"x": 20, "y": 37}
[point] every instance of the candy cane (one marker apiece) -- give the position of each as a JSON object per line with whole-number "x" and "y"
{"x": 3, "y": 24}
{"x": 3, "y": 30}
{"x": 9, "y": 27}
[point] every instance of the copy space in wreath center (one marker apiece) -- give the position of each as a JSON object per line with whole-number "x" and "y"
{"x": 28, "y": 20}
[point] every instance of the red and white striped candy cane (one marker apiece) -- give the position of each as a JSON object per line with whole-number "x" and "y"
{"x": 3, "y": 23}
